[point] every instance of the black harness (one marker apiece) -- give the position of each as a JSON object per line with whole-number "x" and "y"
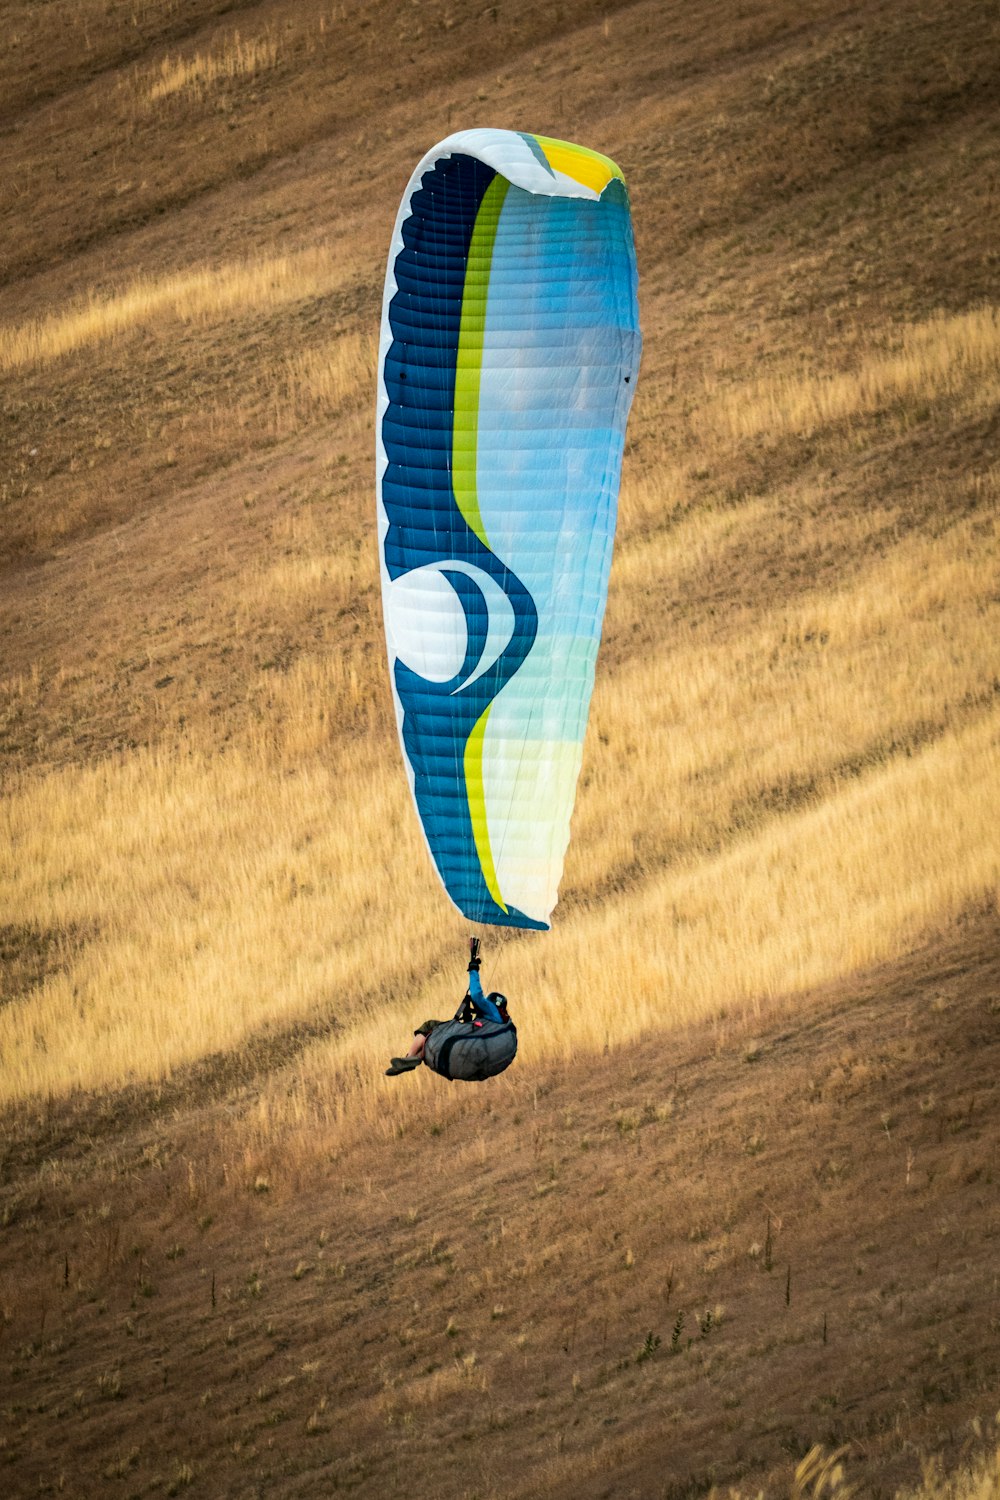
{"x": 485, "y": 1048}
{"x": 497, "y": 1055}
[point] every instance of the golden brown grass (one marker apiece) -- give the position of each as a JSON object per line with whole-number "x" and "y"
{"x": 522, "y": 1248}
{"x": 326, "y": 380}
{"x": 780, "y": 706}
{"x": 796, "y": 793}
{"x": 175, "y": 375}
{"x": 978, "y": 1480}
{"x": 203, "y": 294}
{"x": 240, "y": 57}
{"x": 822, "y": 1474}
{"x": 817, "y": 788}
{"x": 925, "y": 363}
{"x": 247, "y": 867}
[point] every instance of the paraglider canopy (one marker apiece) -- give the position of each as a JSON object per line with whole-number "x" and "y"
{"x": 509, "y": 350}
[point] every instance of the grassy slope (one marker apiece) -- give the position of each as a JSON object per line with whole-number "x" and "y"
{"x": 465, "y": 1311}
{"x": 804, "y": 181}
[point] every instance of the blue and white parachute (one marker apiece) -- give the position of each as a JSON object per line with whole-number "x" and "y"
{"x": 509, "y": 353}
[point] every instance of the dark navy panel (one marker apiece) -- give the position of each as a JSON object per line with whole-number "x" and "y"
{"x": 425, "y": 525}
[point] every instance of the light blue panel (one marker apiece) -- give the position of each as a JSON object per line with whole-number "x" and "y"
{"x": 561, "y": 338}
{"x": 560, "y": 355}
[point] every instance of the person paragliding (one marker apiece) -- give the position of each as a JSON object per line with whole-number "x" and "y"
{"x": 508, "y": 359}
{"x": 478, "y": 1043}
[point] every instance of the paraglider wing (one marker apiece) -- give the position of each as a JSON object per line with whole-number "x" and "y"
{"x": 509, "y": 352}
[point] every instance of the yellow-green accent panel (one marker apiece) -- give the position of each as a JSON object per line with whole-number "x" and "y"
{"x": 469, "y": 360}
{"x": 583, "y": 165}
{"x": 473, "y": 764}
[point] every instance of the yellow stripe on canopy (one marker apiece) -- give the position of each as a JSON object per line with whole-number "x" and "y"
{"x": 587, "y": 167}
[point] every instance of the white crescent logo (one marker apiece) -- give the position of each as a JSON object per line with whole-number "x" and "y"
{"x": 426, "y": 623}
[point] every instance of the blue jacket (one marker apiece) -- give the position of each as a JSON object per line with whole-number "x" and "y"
{"x": 485, "y": 1007}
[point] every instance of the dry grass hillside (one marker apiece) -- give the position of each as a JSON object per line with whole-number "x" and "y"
{"x": 737, "y": 1200}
